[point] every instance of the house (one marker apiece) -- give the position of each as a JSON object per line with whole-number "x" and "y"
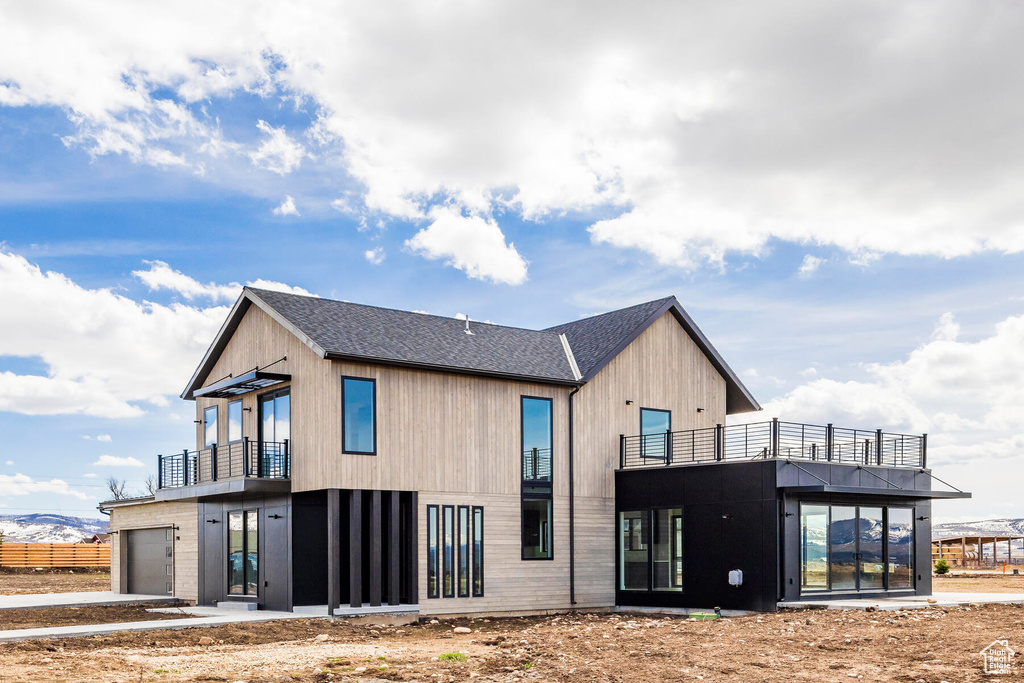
{"x": 97, "y": 539}
{"x": 358, "y": 457}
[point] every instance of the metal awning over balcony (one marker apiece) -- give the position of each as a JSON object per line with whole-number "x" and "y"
{"x": 243, "y": 384}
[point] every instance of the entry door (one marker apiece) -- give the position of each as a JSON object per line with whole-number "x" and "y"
{"x": 276, "y": 560}
{"x": 856, "y": 537}
{"x": 214, "y": 579}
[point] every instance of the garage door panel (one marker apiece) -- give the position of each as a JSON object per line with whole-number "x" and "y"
{"x": 151, "y": 561}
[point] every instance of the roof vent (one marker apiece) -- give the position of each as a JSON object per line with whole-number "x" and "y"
{"x": 468, "y": 331}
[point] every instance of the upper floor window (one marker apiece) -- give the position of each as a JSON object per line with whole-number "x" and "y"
{"x": 359, "y": 415}
{"x": 234, "y": 421}
{"x": 537, "y": 438}
{"x": 536, "y": 503}
{"x": 654, "y": 428}
{"x": 210, "y": 427}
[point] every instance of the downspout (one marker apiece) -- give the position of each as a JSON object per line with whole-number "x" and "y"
{"x": 572, "y": 508}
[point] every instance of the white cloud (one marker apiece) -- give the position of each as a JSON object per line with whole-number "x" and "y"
{"x": 375, "y": 255}
{"x": 162, "y": 276}
{"x": 472, "y": 244}
{"x": 278, "y": 152}
{"x": 9, "y": 462}
{"x": 287, "y": 207}
{"x": 90, "y": 475}
{"x": 809, "y": 266}
{"x": 105, "y": 353}
{"x": 106, "y": 438}
{"x": 116, "y": 461}
{"x": 22, "y": 485}
{"x": 695, "y": 132}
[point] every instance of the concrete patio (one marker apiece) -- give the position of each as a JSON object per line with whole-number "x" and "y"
{"x": 911, "y": 602}
{"x": 94, "y": 598}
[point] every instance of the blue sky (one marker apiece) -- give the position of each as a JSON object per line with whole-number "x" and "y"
{"x": 841, "y": 217}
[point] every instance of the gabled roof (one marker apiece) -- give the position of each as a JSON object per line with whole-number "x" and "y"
{"x": 596, "y": 340}
{"x": 569, "y": 354}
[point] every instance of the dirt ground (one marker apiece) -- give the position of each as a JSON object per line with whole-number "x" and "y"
{"x": 978, "y": 582}
{"x": 930, "y": 645}
{"x": 73, "y": 616}
{"x": 16, "y": 580}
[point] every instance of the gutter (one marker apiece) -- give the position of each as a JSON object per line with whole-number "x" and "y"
{"x": 572, "y": 507}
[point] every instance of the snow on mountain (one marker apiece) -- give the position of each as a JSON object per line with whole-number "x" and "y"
{"x": 986, "y": 527}
{"x": 43, "y": 528}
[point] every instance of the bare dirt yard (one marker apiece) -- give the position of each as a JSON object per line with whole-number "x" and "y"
{"x": 18, "y": 580}
{"x": 73, "y": 616}
{"x": 930, "y": 645}
{"x": 978, "y": 582}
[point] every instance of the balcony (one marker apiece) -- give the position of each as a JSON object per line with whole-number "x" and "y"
{"x": 242, "y": 460}
{"x": 774, "y": 440}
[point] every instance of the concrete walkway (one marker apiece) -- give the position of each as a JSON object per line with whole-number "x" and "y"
{"x": 205, "y": 616}
{"x": 92, "y": 598}
{"x": 911, "y": 602}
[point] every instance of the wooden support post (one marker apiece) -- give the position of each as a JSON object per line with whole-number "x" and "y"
{"x": 394, "y": 550}
{"x": 355, "y": 553}
{"x": 333, "y": 550}
{"x": 376, "y": 563}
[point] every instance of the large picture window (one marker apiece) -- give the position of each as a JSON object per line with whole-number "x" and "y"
{"x": 243, "y": 552}
{"x": 537, "y": 444}
{"x": 359, "y": 415}
{"x": 210, "y": 427}
{"x": 455, "y": 551}
{"x": 851, "y": 548}
{"x": 651, "y": 549}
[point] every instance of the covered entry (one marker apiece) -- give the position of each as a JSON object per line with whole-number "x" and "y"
{"x": 150, "y": 561}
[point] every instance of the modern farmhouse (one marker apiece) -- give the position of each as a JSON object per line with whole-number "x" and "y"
{"x": 361, "y": 458}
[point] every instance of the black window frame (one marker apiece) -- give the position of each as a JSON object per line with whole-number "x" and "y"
{"x": 536, "y": 490}
{"x": 447, "y": 551}
{"x": 434, "y": 536}
{"x": 643, "y": 440}
{"x": 216, "y": 421}
{"x": 477, "y": 561}
{"x": 373, "y": 383}
{"x": 462, "y": 552}
{"x": 241, "y": 427}
{"x": 245, "y": 512}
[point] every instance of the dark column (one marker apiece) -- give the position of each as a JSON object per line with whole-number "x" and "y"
{"x": 394, "y": 563}
{"x": 355, "y": 536}
{"x": 376, "y": 564}
{"x": 333, "y": 550}
{"x": 412, "y": 542}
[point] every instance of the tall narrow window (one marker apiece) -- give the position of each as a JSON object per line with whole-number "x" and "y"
{"x": 537, "y": 440}
{"x": 901, "y": 548}
{"x": 234, "y": 421}
{"x": 210, "y": 427}
{"x": 633, "y": 551}
{"x": 359, "y": 415}
{"x": 814, "y": 547}
{"x": 432, "y": 554}
{"x": 275, "y": 429}
{"x": 463, "y": 544}
{"x": 667, "y": 549}
{"x": 478, "y": 552}
{"x": 243, "y": 552}
{"x": 654, "y": 428}
{"x": 448, "y": 559}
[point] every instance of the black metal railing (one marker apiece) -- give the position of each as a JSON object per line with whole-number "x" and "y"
{"x": 537, "y": 464}
{"x": 774, "y": 439}
{"x": 241, "y": 459}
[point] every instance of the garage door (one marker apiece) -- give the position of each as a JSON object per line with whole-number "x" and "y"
{"x": 150, "y": 561}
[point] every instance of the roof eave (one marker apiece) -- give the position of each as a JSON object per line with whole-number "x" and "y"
{"x": 562, "y": 381}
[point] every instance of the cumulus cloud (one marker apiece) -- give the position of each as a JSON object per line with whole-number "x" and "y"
{"x": 116, "y": 461}
{"x": 287, "y": 207}
{"x": 685, "y": 131}
{"x": 161, "y": 276}
{"x": 105, "y": 353}
{"x": 809, "y": 266}
{"x": 278, "y": 152}
{"x": 375, "y": 255}
{"x": 471, "y": 244}
{"x": 22, "y": 485}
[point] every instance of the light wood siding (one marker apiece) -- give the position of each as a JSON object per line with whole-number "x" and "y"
{"x": 662, "y": 368}
{"x": 512, "y": 584}
{"x": 182, "y": 514}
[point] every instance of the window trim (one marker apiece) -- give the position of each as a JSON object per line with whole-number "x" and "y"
{"x": 216, "y": 421}
{"x": 373, "y": 382}
{"x": 537, "y": 491}
{"x": 462, "y": 552}
{"x": 245, "y": 512}
{"x": 241, "y": 427}
{"x": 477, "y": 563}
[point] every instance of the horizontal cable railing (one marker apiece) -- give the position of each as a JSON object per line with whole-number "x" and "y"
{"x": 537, "y": 464}
{"x": 774, "y": 439}
{"x": 240, "y": 459}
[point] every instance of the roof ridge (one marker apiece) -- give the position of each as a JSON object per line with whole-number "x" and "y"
{"x": 616, "y": 310}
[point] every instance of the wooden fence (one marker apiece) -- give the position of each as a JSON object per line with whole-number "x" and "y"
{"x": 54, "y": 555}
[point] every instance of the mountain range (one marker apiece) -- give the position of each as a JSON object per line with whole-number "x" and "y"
{"x": 46, "y": 528}
{"x": 986, "y": 527}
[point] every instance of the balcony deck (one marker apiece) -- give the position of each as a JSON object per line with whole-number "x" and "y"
{"x": 235, "y": 461}
{"x": 774, "y": 440}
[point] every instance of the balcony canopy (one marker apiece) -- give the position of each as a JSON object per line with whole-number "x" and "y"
{"x": 235, "y": 386}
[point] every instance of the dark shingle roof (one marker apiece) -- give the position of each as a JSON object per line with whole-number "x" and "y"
{"x": 350, "y": 330}
{"x": 593, "y": 339}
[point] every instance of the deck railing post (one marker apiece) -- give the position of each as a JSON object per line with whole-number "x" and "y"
{"x": 924, "y": 451}
{"x": 622, "y": 451}
{"x": 668, "y": 447}
{"x": 775, "y": 437}
{"x": 719, "y": 442}
{"x": 878, "y": 446}
{"x": 830, "y": 438}
{"x": 246, "y": 455}
{"x": 184, "y": 467}
{"x": 213, "y": 462}
{"x": 286, "y": 466}
{"x": 159, "y": 472}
